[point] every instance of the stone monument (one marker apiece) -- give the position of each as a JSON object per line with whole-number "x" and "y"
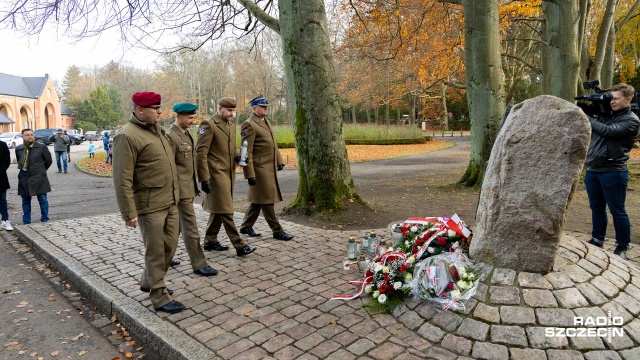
{"x": 535, "y": 164}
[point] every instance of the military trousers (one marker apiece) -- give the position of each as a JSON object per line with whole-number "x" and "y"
{"x": 269, "y": 213}
{"x": 159, "y": 231}
{"x": 213, "y": 228}
{"x": 190, "y": 234}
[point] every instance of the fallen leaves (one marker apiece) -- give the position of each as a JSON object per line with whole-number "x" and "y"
{"x": 55, "y": 353}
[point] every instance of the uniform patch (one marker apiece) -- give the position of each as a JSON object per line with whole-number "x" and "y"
{"x": 201, "y": 131}
{"x": 245, "y": 132}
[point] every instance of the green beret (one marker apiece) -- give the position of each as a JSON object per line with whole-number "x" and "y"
{"x": 185, "y": 108}
{"x": 227, "y": 102}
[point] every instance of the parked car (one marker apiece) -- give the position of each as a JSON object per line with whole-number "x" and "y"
{"x": 93, "y": 135}
{"x": 42, "y": 135}
{"x": 76, "y": 139}
{"x": 12, "y": 139}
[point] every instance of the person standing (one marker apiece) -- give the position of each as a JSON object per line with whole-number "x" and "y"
{"x": 183, "y": 148}
{"x": 612, "y": 137}
{"x": 264, "y": 190}
{"x": 146, "y": 185}
{"x": 216, "y": 155}
{"x": 105, "y": 146}
{"x": 60, "y": 143}
{"x": 5, "y": 161}
{"x": 33, "y": 161}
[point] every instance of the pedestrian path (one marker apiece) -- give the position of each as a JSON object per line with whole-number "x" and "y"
{"x": 275, "y": 303}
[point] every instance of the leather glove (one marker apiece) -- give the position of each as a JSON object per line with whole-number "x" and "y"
{"x": 252, "y": 181}
{"x": 237, "y": 159}
{"x": 280, "y": 167}
{"x": 205, "y": 186}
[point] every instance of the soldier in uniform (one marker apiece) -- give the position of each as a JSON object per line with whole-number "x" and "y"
{"x": 146, "y": 184}
{"x": 217, "y": 155}
{"x": 263, "y": 162}
{"x": 184, "y": 150}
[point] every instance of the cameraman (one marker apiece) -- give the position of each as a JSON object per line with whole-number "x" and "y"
{"x": 606, "y": 180}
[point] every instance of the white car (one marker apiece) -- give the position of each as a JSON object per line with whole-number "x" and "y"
{"x": 12, "y": 139}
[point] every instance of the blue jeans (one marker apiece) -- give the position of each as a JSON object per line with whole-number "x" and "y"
{"x": 608, "y": 189}
{"x": 62, "y": 154}
{"x": 26, "y": 208}
{"x": 4, "y": 211}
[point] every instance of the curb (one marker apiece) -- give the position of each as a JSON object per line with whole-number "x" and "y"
{"x": 159, "y": 336}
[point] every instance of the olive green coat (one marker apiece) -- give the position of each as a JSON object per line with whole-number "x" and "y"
{"x": 144, "y": 171}
{"x": 264, "y": 157}
{"x": 215, "y": 161}
{"x": 184, "y": 150}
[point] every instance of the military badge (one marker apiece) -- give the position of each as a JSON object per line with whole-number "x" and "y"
{"x": 201, "y": 131}
{"x": 245, "y": 132}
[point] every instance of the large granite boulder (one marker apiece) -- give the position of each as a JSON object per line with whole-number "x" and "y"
{"x": 534, "y": 167}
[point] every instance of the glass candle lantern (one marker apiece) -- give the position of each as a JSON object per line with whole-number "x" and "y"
{"x": 365, "y": 243}
{"x": 381, "y": 248}
{"x": 373, "y": 242}
{"x": 352, "y": 248}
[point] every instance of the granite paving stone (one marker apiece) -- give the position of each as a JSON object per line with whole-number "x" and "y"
{"x": 527, "y": 354}
{"x": 487, "y": 313}
{"x": 456, "y": 344}
{"x": 538, "y": 339}
{"x": 539, "y": 298}
{"x": 564, "y": 355}
{"x": 516, "y": 315}
{"x": 473, "y": 329}
{"x": 361, "y": 346}
{"x": 628, "y": 302}
{"x": 386, "y": 351}
{"x": 503, "y": 277}
{"x": 555, "y": 317}
{"x": 504, "y": 295}
{"x": 509, "y": 335}
{"x": 559, "y": 280}
{"x": 586, "y": 343}
{"x": 570, "y": 298}
{"x": 533, "y": 280}
{"x": 325, "y": 348}
{"x": 605, "y": 286}
{"x": 593, "y": 295}
{"x": 489, "y": 351}
{"x": 287, "y": 353}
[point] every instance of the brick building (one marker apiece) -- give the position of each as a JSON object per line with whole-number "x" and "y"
{"x": 31, "y": 102}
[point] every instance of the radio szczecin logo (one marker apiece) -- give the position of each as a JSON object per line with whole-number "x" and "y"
{"x": 606, "y": 327}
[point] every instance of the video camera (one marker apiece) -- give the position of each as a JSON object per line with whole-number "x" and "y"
{"x": 598, "y": 103}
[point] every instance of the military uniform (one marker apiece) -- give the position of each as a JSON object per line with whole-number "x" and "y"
{"x": 184, "y": 150}
{"x": 264, "y": 158}
{"x": 146, "y": 186}
{"x": 215, "y": 161}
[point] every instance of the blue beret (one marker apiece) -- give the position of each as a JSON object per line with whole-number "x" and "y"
{"x": 185, "y": 108}
{"x": 259, "y": 101}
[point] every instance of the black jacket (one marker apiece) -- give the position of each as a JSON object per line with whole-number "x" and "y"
{"x": 611, "y": 140}
{"x": 34, "y": 181}
{"x": 5, "y": 161}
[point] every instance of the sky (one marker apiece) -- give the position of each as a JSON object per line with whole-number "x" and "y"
{"x": 51, "y": 54}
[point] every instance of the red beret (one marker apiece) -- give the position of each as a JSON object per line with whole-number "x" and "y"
{"x": 146, "y": 98}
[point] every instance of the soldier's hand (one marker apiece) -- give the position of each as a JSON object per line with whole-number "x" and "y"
{"x": 237, "y": 159}
{"x": 252, "y": 181}
{"x": 205, "y": 186}
{"x": 133, "y": 223}
{"x": 280, "y": 167}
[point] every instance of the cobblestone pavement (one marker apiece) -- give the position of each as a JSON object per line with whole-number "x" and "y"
{"x": 275, "y": 303}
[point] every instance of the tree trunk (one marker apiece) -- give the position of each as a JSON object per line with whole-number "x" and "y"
{"x": 560, "y": 58}
{"x": 353, "y": 114}
{"x": 444, "y": 114}
{"x": 369, "y": 112}
{"x": 606, "y": 75}
{"x": 583, "y": 46}
{"x": 412, "y": 109}
{"x": 323, "y": 167}
{"x": 398, "y": 112}
{"x": 386, "y": 114}
{"x": 375, "y": 116}
{"x": 603, "y": 39}
{"x": 485, "y": 82}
